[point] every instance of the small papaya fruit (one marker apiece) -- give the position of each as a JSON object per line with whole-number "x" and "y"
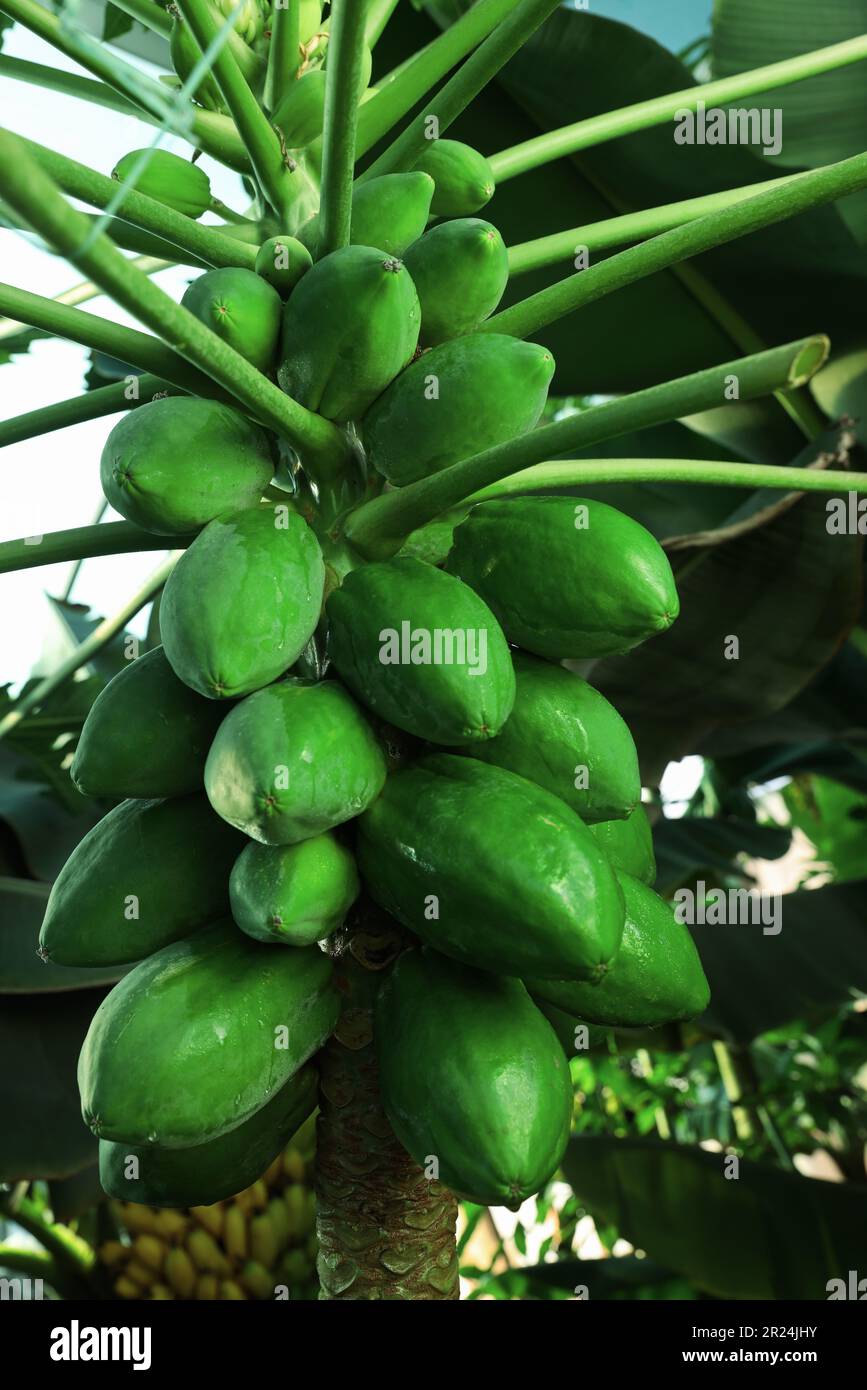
{"x": 297, "y": 894}
{"x": 185, "y": 55}
{"x": 146, "y": 874}
{"x": 473, "y": 1075}
{"x": 299, "y": 115}
{"x": 146, "y": 734}
{"x": 349, "y": 327}
{"x": 422, "y": 652}
{"x": 282, "y": 260}
{"x": 563, "y": 735}
{"x": 242, "y": 603}
{"x": 566, "y": 577}
{"x": 490, "y": 869}
{"x": 464, "y": 179}
{"x": 209, "y": 1172}
{"x": 201, "y": 1035}
{"x": 460, "y": 270}
{"x": 169, "y": 179}
{"x": 310, "y": 19}
{"x": 241, "y": 308}
{"x": 174, "y": 464}
{"x": 628, "y": 844}
{"x": 294, "y": 760}
{"x": 459, "y": 399}
{"x": 656, "y": 977}
{"x": 389, "y": 213}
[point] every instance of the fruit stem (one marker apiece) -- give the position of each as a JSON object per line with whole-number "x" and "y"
{"x": 642, "y": 115}
{"x": 343, "y": 88}
{"x": 81, "y": 293}
{"x": 522, "y": 20}
{"x": 152, "y": 16}
{"x": 378, "y": 14}
{"x": 378, "y": 528}
{"x": 786, "y": 199}
{"x": 25, "y": 186}
{"x": 258, "y": 135}
{"x": 90, "y": 405}
{"x": 78, "y": 181}
{"x": 82, "y": 543}
{"x": 284, "y": 50}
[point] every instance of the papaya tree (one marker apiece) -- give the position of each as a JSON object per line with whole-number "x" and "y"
{"x": 450, "y": 419}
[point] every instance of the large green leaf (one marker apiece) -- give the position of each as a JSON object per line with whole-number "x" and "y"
{"x": 695, "y": 846}
{"x": 42, "y": 1134}
{"x": 764, "y": 1234}
{"x": 22, "y": 907}
{"x": 45, "y": 828}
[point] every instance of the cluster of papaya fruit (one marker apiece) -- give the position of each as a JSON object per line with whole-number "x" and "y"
{"x": 315, "y": 726}
{"x": 258, "y": 1242}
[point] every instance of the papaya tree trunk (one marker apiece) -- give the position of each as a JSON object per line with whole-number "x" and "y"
{"x": 385, "y": 1229}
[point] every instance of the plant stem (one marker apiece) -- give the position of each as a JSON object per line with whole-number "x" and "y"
{"x": 59, "y": 1242}
{"x": 342, "y": 95}
{"x": 90, "y": 405}
{"x": 284, "y": 50}
{"x": 379, "y": 527}
{"x": 631, "y": 226}
{"x": 83, "y": 543}
{"x": 36, "y": 1264}
{"x": 152, "y": 16}
{"x": 69, "y": 84}
{"x": 89, "y": 648}
{"x": 740, "y": 1116}
{"x": 810, "y": 190}
{"x": 78, "y": 181}
{"x": 413, "y": 80}
{"x": 82, "y": 293}
{"x": 323, "y": 448}
{"x": 101, "y": 335}
{"x": 258, "y": 135}
{"x": 701, "y": 472}
{"x": 378, "y": 14}
{"x": 522, "y": 20}
{"x": 595, "y": 130}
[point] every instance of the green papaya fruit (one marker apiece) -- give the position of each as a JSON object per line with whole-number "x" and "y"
{"x": 242, "y": 603}
{"x": 294, "y": 760}
{"x": 282, "y": 260}
{"x": 422, "y": 651}
{"x": 146, "y": 734}
{"x": 565, "y": 736}
{"x": 389, "y": 213}
{"x": 166, "y": 177}
{"x": 566, "y": 577}
{"x": 573, "y": 1042}
{"x": 490, "y": 869}
{"x": 147, "y": 874}
{"x": 349, "y": 327}
{"x": 310, "y": 19}
{"x": 460, "y": 270}
{"x": 473, "y": 1076}
{"x": 174, "y": 464}
{"x": 628, "y": 844}
{"x": 655, "y": 978}
{"x": 464, "y": 178}
{"x": 185, "y": 55}
{"x": 242, "y": 309}
{"x": 210, "y": 1172}
{"x": 299, "y": 115}
{"x": 460, "y": 398}
{"x": 201, "y": 1035}
{"x": 297, "y": 894}
{"x": 249, "y": 20}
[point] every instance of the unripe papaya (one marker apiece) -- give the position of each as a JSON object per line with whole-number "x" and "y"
{"x": 242, "y": 603}
{"x": 563, "y": 735}
{"x": 566, "y": 577}
{"x": 185, "y": 55}
{"x": 210, "y": 1172}
{"x": 174, "y": 464}
{"x": 282, "y": 260}
{"x": 300, "y": 113}
{"x": 389, "y": 213}
{"x": 349, "y": 327}
{"x": 490, "y": 869}
{"x": 296, "y": 894}
{"x": 169, "y": 179}
{"x": 655, "y": 978}
{"x": 462, "y": 397}
{"x": 628, "y": 844}
{"x": 423, "y": 653}
{"x": 146, "y": 734}
{"x": 310, "y": 19}
{"x": 241, "y": 308}
{"x": 148, "y": 873}
{"x": 292, "y": 761}
{"x": 201, "y": 1035}
{"x": 464, "y": 179}
{"x": 460, "y": 270}
{"x": 472, "y": 1075}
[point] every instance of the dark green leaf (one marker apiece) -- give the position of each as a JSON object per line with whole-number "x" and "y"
{"x": 22, "y": 906}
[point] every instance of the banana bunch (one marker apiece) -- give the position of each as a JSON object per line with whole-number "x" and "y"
{"x": 252, "y": 1246}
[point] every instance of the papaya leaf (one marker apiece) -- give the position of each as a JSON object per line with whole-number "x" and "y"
{"x": 44, "y": 826}
{"x": 22, "y": 906}
{"x": 764, "y": 1235}
{"x": 43, "y": 1134}
{"x": 115, "y": 24}
{"x": 691, "y": 847}
{"x": 834, "y": 819}
{"x": 816, "y": 961}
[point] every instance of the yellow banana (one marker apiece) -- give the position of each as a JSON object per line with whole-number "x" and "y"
{"x": 112, "y": 1253}
{"x": 161, "y": 1293}
{"x": 207, "y": 1288}
{"x": 257, "y": 1280}
{"x": 125, "y": 1288}
{"x": 180, "y": 1272}
{"x": 210, "y": 1217}
{"x": 232, "y": 1291}
{"x": 235, "y": 1234}
{"x": 150, "y": 1250}
{"x": 206, "y": 1253}
{"x": 264, "y": 1245}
